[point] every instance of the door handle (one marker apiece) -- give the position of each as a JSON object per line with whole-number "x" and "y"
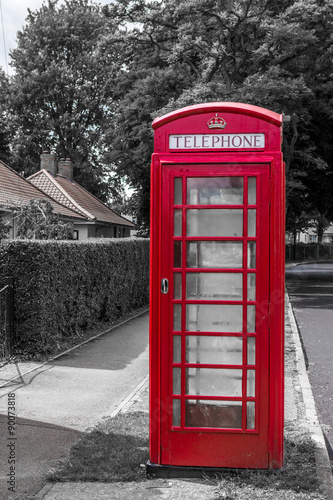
{"x": 164, "y": 285}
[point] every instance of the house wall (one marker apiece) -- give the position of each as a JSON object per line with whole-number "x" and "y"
{"x": 82, "y": 231}
{"x": 310, "y": 236}
{"x": 86, "y": 231}
{"x": 104, "y": 232}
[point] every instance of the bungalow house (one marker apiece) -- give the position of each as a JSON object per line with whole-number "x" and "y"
{"x": 55, "y": 178}
{"x": 16, "y": 191}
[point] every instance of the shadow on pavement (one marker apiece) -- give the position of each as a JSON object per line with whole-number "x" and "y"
{"x": 111, "y": 351}
{"x": 35, "y": 447}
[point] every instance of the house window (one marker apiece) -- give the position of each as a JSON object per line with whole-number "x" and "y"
{"x": 75, "y": 234}
{"x": 312, "y": 238}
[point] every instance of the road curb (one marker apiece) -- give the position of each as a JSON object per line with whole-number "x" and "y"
{"x": 323, "y": 464}
{"x": 131, "y": 397}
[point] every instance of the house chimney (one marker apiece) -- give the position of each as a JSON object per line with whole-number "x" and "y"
{"x": 48, "y": 161}
{"x": 65, "y": 168}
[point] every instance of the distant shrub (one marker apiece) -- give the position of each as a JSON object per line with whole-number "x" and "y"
{"x": 62, "y": 288}
{"x": 309, "y": 252}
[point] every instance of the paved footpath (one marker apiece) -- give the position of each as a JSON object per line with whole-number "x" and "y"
{"x": 58, "y": 400}
{"x": 299, "y": 412}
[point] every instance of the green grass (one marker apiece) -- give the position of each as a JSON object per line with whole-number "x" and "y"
{"x": 118, "y": 449}
{"x": 112, "y": 452}
{"x": 297, "y": 481}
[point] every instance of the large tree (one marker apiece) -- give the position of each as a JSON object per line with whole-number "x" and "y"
{"x": 62, "y": 89}
{"x": 5, "y": 127}
{"x": 89, "y": 81}
{"x": 270, "y": 53}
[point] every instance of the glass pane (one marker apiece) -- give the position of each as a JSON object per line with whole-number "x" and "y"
{"x": 215, "y": 222}
{"x": 215, "y": 191}
{"x": 251, "y": 351}
{"x": 215, "y": 254}
{"x": 251, "y": 286}
{"x": 177, "y": 254}
{"x": 250, "y": 415}
{"x": 251, "y": 319}
{"x": 214, "y": 350}
{"x": 178, "y": 191}
{"x": 252, "y": 191}
{"x": 177, "y": 349}
{"x": 176, "y": 412}
{"x": 251, "y": 254}
{"x": 220, "y": 286}
{"x": 251, "y": 383}
{"x": 214, "y": 318}
{"x": 214, "y": 382}
{"x": 177, "y": 285}
{"x": 222, "y": 414}
{"x": 251, "y": 223}
{"x": 177, "y": 217}
{"x": 176, "y": 381}
{"x": 177, "y": 317}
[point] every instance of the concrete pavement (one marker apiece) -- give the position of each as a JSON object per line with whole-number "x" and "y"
{"x": 54, "y": 402}
{"x": 300, "y": 411}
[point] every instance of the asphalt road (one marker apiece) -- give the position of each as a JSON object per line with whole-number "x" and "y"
{"x": 65, "y": 397}
{"x": 310, "y": 287}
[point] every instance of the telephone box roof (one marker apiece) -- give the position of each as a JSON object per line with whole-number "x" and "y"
{"x": 231, "y": 107}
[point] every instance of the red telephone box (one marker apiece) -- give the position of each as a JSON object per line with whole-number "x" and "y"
{"x": 217, "y": 288}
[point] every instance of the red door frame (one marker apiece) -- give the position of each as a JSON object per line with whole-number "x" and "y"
{"x": 188, "y": 447}
{"x": 159, "y": 412}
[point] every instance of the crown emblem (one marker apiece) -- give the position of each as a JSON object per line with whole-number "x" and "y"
{"x": 216, "y": 122}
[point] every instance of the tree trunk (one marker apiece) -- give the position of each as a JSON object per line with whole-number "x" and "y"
{"x": 294, "y": 242}
{"x": 321, "y": 226}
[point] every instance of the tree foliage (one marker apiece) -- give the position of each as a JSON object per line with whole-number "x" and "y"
{"x": 89, "y": 81}
{"x": 37, "y": 221}
{"x": 61, "y": 90}
{"x": 5, "y": 129}
{"x": 4, "y": 229}
{"x": 272, "y": 54}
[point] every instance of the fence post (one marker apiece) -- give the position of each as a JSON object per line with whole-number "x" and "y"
{"x": 9, "y": 316}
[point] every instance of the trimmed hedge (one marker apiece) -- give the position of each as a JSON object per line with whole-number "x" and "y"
{"x": 309, "y": 251}
{"x": 62, "y": 288}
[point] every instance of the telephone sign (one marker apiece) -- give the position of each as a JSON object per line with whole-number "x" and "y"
{"x": 217, "y": 289}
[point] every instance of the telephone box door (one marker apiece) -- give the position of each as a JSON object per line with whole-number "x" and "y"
{"x": 214, "y": 315}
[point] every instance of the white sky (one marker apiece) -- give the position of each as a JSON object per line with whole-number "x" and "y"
{"x": 14, "y": 14}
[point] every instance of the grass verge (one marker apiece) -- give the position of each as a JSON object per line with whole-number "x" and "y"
{"x": 118, "y": 449}
{"x": 298, "y": 480}
{"x": 112, "y": 452}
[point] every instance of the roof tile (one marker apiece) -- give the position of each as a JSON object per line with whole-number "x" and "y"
{"x": 75, "y": 197}
{"x": 16, "y": 191}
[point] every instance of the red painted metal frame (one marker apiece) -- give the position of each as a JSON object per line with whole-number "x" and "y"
{"x": 242, "y": 451}
{"x": 240, "y": 119}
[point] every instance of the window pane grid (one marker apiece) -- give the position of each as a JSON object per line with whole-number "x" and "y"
{"x": 214, "y": 398}
{"x": 247, "y": 365}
